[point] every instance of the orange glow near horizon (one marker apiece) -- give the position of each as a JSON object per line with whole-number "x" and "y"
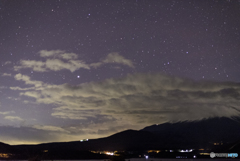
{"x": 4, "y": 155}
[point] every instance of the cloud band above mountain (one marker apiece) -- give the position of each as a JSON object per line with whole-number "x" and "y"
{"x": 138, "y": 99}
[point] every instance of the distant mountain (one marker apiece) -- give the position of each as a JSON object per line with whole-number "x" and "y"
{"x": 208, "y": 131}
{"x": 215, "y": 133}
{"x": 126, "y": 140}
{"x": 5, "y": 148}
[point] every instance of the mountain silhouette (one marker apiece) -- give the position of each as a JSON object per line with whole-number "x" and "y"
{"x": 204, "y": 132}
{"x": 219, "y": 134}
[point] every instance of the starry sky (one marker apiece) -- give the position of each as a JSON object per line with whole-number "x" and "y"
{"x": 75, "y": 69}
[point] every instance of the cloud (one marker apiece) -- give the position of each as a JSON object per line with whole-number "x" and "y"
{"x": 58, "y": 54}
{"x": 60, "y": 112}
{"x": 3, "y": 87}
{"x": 13, "y": 118}
{"x": 140, "y": 99}
{"x": 6, "y": 112}
{"x": 27, "y": 80}
{"x": 21, "y": 89}
{"x": 50, "y": 128}
{"x": 7, "y": 62}
{"x": 72, "y": 65}
{"x": 57, "y": 60}
{"x": 6, "y": 74}
{"x": 132, "y": 102}
{"x": 37, "y": 66}
{"x": 114, "y": 58}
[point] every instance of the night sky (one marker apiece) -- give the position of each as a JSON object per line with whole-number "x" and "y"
{"x": 76, "y": 69}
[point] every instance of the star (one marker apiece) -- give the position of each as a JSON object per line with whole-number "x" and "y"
{"x": 120, "y": 51}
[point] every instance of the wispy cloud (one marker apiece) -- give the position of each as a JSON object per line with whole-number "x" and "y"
{"x": 7, "y": 62}
{"x": 50, "y": 128}
{"x": 6, "y": 74}
{"x": 57, "y": 60}
{"x": 58, "y": 54}
{"x": 27, "y": 80}
{"x": 13, "y": 118}
{"x": 6, "y": 112}
{"x": 114, "y": 58}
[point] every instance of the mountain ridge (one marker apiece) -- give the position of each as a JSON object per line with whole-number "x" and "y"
{"x": 187, "y": 134}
